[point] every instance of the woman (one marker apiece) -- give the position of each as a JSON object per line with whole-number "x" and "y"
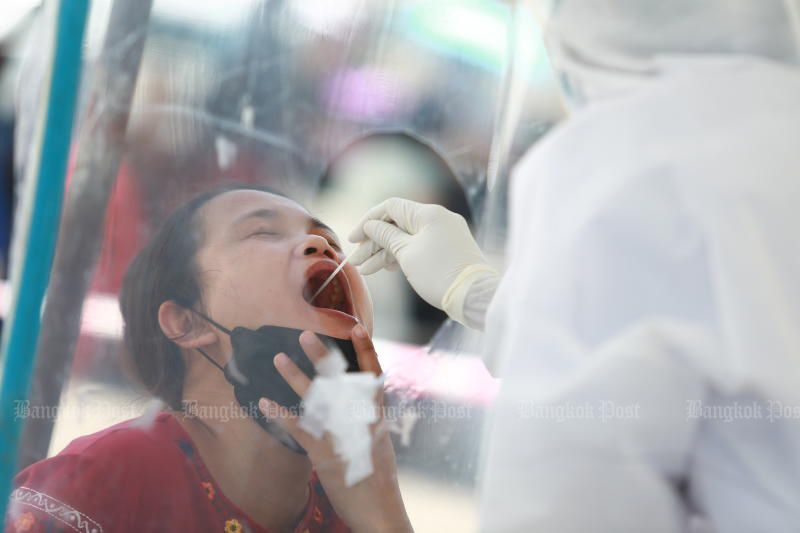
{"x": 240, "y": 257}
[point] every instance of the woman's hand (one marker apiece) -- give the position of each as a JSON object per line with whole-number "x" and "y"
{"x": 373, "y": 504}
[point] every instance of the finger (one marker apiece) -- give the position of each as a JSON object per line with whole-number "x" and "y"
{"x": 387, "y": 235}
{"x": 375, "y": 263}
{"x": 365, "y": 250}
{"x": 375, "y": 213}
{"x": 400, "y": 211}
{"x": 391, "y": 262}
{"x": 274, "y": 411}
{"x": 288, "y": 421}
{"x": 295, "y": 377}
{"x": 403, "y": 213}
{"x": 365, "y": 350}
{"x": 367, "y": 356}
{"x": 314, "y": 348}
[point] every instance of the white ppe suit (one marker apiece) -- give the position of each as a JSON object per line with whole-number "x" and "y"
{"x": 647, "y": 329}
{"x": 654, "y": 263}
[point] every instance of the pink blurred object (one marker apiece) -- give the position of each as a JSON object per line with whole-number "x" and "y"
{"x": 415, "y": 373}
{"x": 366, "y": 94}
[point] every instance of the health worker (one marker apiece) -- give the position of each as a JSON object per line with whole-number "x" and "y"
{"x": 652, "y": 275}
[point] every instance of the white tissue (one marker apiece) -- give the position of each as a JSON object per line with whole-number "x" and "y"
{"x": 331, "y": 366}
{"x": 343, "y": 404}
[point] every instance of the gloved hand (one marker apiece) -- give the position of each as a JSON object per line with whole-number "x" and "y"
{"x": 433, "y": 247}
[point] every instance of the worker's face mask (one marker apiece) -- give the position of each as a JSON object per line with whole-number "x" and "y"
{"x": 253, "y": 375}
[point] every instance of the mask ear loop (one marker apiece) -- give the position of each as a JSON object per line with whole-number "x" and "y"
{"x": 218, "y": 326}
{"x": 212, "y": 322}
{"x": 210, "y": 360}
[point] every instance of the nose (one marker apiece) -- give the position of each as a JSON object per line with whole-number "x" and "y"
{"x": 316, "y": 245}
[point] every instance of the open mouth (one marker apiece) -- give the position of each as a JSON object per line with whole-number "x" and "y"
{"x": 335, "y": 296}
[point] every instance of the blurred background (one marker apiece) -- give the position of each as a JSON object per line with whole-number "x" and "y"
{"x": 336, "y": 103}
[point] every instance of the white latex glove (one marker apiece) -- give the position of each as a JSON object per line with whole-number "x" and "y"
{"x": 433, "y": 247}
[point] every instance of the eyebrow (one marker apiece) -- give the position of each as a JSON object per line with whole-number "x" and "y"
{"x": 273, "y": 213}
{"x": 258, "y": 213}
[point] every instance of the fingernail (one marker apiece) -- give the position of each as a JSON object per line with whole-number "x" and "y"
{"x": 281, "y": 360}
{"x": 306, "y": 337}
{"x": 360, "y": 331}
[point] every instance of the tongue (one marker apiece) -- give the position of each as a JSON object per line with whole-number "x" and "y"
{"x": 330, "y": 297}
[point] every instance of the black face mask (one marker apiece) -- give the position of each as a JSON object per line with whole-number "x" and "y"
{"x": 253, "y": 375}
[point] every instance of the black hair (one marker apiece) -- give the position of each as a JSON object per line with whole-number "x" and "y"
{"x": 165, "y": 270}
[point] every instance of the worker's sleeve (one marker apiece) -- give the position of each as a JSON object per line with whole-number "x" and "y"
{"x": 478, "y": 299}
{"x": 606, "y": 318}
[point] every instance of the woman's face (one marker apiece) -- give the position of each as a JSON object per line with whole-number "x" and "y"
{"x": 263, "y": 256}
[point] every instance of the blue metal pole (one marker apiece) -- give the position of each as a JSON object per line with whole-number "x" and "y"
{"x": 38, "y": 230}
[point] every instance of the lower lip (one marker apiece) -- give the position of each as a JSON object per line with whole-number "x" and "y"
{"x": 334, "y": 313}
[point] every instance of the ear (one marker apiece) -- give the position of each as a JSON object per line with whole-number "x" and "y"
{"x": 181, "y": 326}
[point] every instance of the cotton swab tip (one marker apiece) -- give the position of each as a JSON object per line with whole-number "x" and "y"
{"x": 327, "y": 281}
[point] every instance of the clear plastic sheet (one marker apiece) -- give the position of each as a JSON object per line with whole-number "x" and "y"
{"x": 335, "y": 106}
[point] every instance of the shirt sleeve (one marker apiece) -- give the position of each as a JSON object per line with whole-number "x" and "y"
{"x": 64, "y": 493}
{"x": 98, "y": 487}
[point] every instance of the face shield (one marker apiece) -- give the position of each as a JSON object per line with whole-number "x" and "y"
{"x": 218, "y": 158}
{"x": 602, "y": 49}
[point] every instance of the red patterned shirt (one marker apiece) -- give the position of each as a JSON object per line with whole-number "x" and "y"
{"x": 139, "y": 477}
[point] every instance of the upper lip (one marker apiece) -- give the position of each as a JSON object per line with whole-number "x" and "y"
{"x": 324, "y": 264}
{"x": 328, "y": 266}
